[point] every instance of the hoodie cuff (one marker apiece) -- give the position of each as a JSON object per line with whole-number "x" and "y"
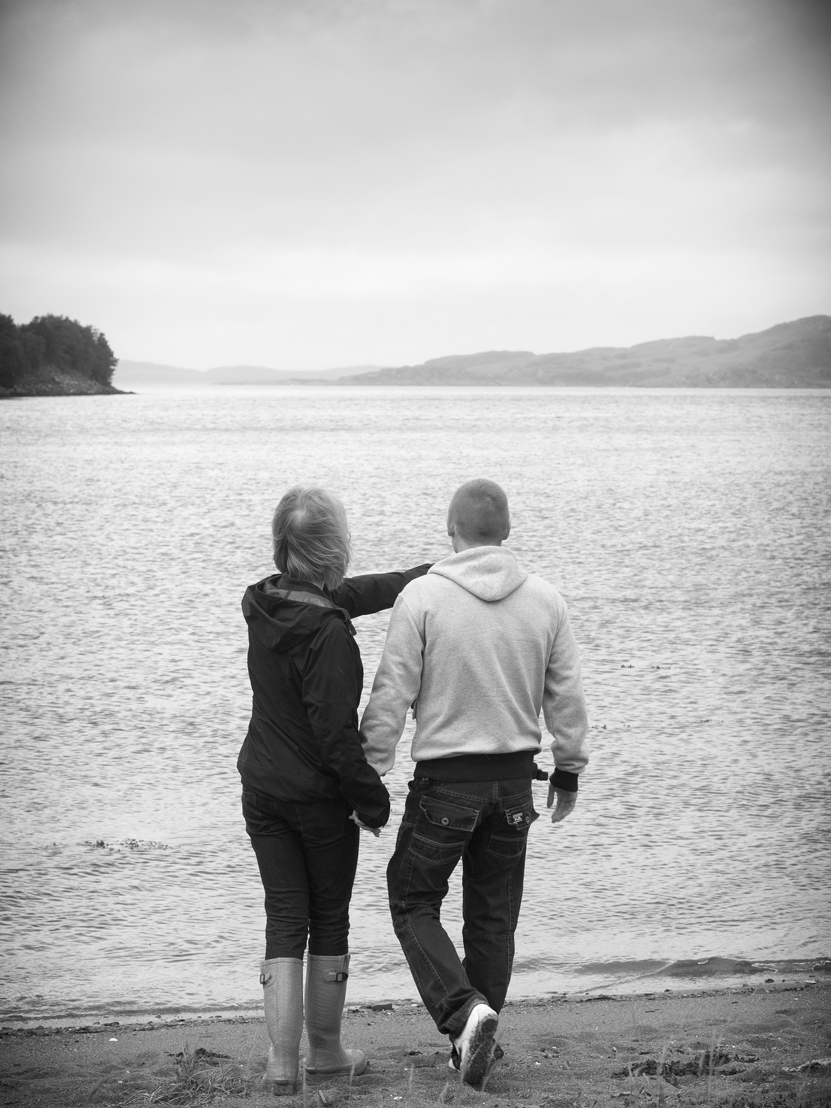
{"x": 562, "y": 779}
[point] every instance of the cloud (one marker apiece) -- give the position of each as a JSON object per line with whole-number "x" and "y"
{"x": 429, "y": 155}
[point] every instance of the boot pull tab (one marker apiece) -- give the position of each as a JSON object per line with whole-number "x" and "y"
{"x": 265, "y": 978}
{"x": 335, "y": 977}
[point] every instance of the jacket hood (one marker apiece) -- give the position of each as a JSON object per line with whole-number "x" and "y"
{"x": 282, "y": 613}
{"x": 489, "y": 572}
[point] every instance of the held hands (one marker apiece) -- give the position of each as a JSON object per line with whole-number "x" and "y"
{"x": 376, "y": 831}
{"x": 565, "y": 802}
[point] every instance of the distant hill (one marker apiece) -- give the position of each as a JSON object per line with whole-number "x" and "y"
{"x": 259, "y": 375}
{"x": 150, "y": 373}
{"x": 790, "y": 355}
{"x": 135, "y": 374}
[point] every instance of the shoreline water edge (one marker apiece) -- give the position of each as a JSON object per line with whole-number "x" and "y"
{"x": 620, "y": 980}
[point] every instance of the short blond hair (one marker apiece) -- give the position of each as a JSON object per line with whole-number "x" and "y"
{"x": 311, "y": 536}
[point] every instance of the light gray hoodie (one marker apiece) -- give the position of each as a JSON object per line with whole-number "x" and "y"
{"x": 481, "y": 646}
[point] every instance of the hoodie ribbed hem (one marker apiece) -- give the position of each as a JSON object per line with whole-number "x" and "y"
{"x": 478, "y": 767}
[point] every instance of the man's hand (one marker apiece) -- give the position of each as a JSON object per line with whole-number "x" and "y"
{"x": 376, "y": 831}
{"x": 565, "y": 802}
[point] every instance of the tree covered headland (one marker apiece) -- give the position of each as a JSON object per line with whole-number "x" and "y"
{"x": 52, "y": 341}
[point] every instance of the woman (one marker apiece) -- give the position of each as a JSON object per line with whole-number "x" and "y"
{"x": 306, "y": 785}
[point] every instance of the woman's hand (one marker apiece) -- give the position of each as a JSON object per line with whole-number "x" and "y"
{"x": 376, "y": 831}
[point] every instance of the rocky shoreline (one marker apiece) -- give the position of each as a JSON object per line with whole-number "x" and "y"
{"x": 51, "y": 381}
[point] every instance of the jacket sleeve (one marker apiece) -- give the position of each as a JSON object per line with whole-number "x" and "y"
{"x": 329, "y": 697}
{"x": 373, "y": 592}
{"x": 564, "y": 708}
{"x": 396, "y": 686}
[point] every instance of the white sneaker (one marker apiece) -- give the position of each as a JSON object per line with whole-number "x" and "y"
{"x": 454, "y": 1062}
{"x": 475, "y": 1044}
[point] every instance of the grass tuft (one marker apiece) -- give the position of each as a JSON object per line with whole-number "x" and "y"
{"x": 199, "y": 1076}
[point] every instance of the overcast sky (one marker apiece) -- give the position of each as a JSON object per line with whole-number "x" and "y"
{"x": 306, "y": 184}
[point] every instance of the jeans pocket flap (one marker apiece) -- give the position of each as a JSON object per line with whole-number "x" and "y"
{"x": 521, "y": 817}
{"x": 442, "y": 813}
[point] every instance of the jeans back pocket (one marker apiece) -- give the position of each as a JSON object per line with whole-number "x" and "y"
{"x": 509, "y": 839}
{"x": 442, "y": 829}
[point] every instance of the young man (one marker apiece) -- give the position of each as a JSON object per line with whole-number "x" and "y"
{"x": 478, "y": 646}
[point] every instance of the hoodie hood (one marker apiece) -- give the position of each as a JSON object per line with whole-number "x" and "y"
{"x": 282, "y": 613}
{"x": 489, "y": 572}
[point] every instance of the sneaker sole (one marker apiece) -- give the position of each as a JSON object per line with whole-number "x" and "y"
{"x": 498, "y": 1055}
{"x": 479, "y": 1052}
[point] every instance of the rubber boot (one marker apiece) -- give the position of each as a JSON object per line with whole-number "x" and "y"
{"x": 282, "y": 982}
{"x": 325, "y": 995}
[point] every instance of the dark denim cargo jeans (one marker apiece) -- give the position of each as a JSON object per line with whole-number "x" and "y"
{"x": 307, "y": 855}
{"x": 485, "y": 823}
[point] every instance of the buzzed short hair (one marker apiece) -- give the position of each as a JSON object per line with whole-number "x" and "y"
{"x": 311, "y": 535}
{"x": 479, "y": 511}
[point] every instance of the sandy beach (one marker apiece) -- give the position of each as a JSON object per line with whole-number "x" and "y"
{"x": 760, "y": 1047}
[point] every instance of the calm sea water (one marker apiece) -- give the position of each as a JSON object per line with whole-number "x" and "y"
{"x": 690, "y": 532}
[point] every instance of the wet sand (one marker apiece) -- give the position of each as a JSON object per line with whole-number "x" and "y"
{"x": 766, "y": 1046}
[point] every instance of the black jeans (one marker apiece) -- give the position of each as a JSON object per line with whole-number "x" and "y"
{"x": 307, "y": 855}
{"x": 485, "y": 823}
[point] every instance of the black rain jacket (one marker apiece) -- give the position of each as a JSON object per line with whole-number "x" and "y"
{"x": 306, "y": 676}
